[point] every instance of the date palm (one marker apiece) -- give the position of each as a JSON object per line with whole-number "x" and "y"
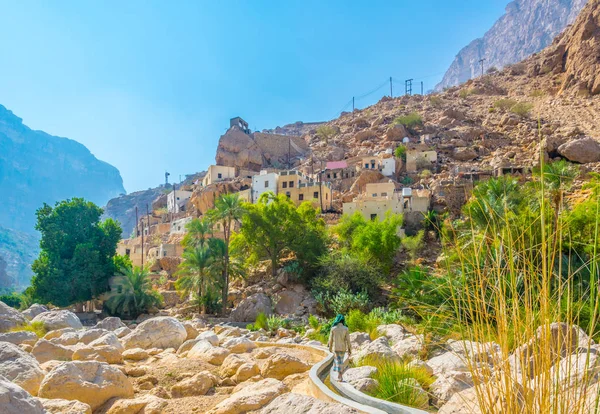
{"x": 195, "y": 272}
{"x": 228, "y": 210}
{"x": 136, "y": 296}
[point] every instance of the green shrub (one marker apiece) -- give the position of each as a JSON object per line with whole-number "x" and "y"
{"x": 251, "y": 327}
{"x": 13, "y": 300}
{"x": 400, "y": 152}
{"x": 342, "y": 302}
{"x": 275, "y": 322}
{"x": 399, "y": 382}
{"x": 410, "y": 121}
{"x": 504, "y": 104}
{"x": 537, "y": 93}
{"x": 435, "y": 101}
{"x": 261, "y": 321}
{"x": 464, "y": 93}
{"x": 522, "y": 109}
{"x": 37, "y": 327}
{"x": 314, "y": 322}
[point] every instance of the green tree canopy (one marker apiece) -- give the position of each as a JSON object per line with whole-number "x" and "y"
{"x": 76, "y": 260}
{"x": 274, "y": 228}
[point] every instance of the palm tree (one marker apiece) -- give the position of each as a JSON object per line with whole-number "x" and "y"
{"x": 228, "y": 210}
{"x": 136, "y": 296}
{"x": 195, "y": 273}
{"x": 198, "y": 232}
{"x": 558, "y": 177}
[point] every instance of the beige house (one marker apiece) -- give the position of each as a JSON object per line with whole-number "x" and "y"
{"x": 177, "y": 200}
{"x": 381, "y": 198}
{"x": 218, "y": 173}
{"x": 420, "y": 160}
{"x": 385, "y": 163}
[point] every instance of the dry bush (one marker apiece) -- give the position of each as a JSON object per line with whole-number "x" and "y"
{"x": 366, "y": 135}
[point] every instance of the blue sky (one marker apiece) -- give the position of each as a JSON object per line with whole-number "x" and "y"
{"x": 149, "y": 86}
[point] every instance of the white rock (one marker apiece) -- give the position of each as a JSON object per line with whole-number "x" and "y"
{"x": 34, "y": 310}
{"x": 411, "y": 345}
{"x": 90, "y": 382}
{"x": 60, "y": 406}
{"x": 358, "y": 339}
{"x": 121, "y": 332}
{"x": 58, "y": 319}
{"x": 108, "y": 339}
{"x": 88, "y": 335}
{"x": 239, "y": 345}
{"x": 291, "y": 403}
{"x": 448, "y": 361}
{"x": 393, "y": 332}
{"x": 209, "y": 336}
{"x": 450, "y": 383}
{"x": 20, "y": 367}
{"x": 15, "y": 400}
{"x": 19, "y": 337}
{"x": 161, "y": 332}
{"x": 45, "y": 351}
{"x": 111, "y": 323}
{"x": 378, "y": 349}
{"x": 251, "y": 397}
{"x": 10, "y": 318}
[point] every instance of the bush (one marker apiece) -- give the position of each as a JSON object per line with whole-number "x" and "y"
{"x": 464, "y": 93}
{"x": 275, "y": 322}
{"x": 37, "y": 327}
{"x": 13, "y": 300}
{"x": 410, "y": 121}
{"x": 537, "y": 93}
{"x": 435, "y": 101}
{"x": 398, "y": 382}
{"x": 261, "y": 321}
{"x": 522, "y": 109}
{"x": 400, "y": 152}
{"x": 326, "y": 132}
{"x": 505, "y": 104}
{"x": 314, "y": 322}
{"x": 342, "y": 302}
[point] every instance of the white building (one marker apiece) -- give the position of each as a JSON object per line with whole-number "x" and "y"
{"x": 177, "y": 199}
{"x": 179, "y": 226}
{"x": 388, "y": 166}
{"x": 218, "y": 173}
{"x": 264, "y": 182}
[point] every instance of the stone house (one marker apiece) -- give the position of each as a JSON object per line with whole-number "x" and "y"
{"x": 217, "y": 173}
{"x": 340, "y": 174}
{"x": 289, "y": 180}
{"x": 179, "y": 226}
{"x": 385, "y": 163}
{"x": 177, "y": 200}
{"x": 239, "y": 123}
{"x": 419, "y": 159}
{"x": 318, "y": 194}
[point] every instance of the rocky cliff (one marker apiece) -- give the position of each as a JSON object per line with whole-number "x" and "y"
{"x": 123, "y": 208}
{"x": 37, "y": 168}
{"x": 527, "y": 27}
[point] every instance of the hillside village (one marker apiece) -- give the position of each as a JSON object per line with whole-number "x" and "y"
{"x": 486, "y": 303}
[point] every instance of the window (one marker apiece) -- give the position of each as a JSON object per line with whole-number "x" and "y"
{"x": 287, "y": 193}
{"x": 301, "y": 197}
{"x": 164, "y": 253}
{"x": 334, "y": 175}
{"x": 326, "y": 196}
{"x": 127, "y": 252}
{"x": 291, "y": 184}
{"x": 373, "y": 216}
{"x": 384, "y": 194}
{"x": 352, "y": 173}
{"x": 367, "y": 165}
{"x": 328, "y": 175}
{"x": 284, "y": 184}
{"x": 316, "y": 194}
{"x": 266, "y": 184}
{"x": 372, "y": 165}
{"x": 220, "y": 175}
{"x": 374, "y": 194}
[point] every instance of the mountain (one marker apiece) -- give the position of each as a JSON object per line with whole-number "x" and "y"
{"x": 527, "y": 27}
{"x": 37, "y": 168}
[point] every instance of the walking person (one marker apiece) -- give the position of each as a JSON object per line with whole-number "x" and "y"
{"x": 339, "y": 344}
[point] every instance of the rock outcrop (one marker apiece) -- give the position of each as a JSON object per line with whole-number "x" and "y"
{"x": 60, "y": 319}
{"x": 20, "y": 367}
{"x": 160, "y": 332}
{"x": 10, "y": 318}
{"x": 15, "y": 400}
{"x": 527, "y": 27}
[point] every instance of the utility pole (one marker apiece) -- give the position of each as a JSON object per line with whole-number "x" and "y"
{"x": 289, "y": 151}
{"x": 481, "y": 62}
{"x": 408, "y": 87}
{"x": 421, "y": 87}
{"x": 142, "y": 243}
{"x": 137, "y": 233}
{"x": 148, "y": 214}
{"x": 353, "y": 106}
{"x": 391, "y": 92}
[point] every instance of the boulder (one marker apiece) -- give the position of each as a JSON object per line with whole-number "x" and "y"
{"x": 280, "y": 366}
{"x": 34, "y": 310}
{"x": 395, "y": 333}
{"x": 57, "y": 333}
{"x": 249, "y": 308}
{"x": 45, "y": 351}
{"x": 68, "y": 338}
{"x": 448, "y": 361}
{"x": 292, "y": 403}
{"x": 448, "y": 384}
{"x": 377, "y": 349}
{"x": 288, "y": 302}
{"x": 10, "y": 318}
{"x": 252, "y": 397}
{"x": 145, "y": 404}
{"x": 60, "y": 406}
{"x": 88, "y": 335}
{"x": 231, "y": 364}
{"x": 109, "y": 339}
{"x": 90, "y": 382}
{"x": 354, "y": 374}
{"x": 577, "y": 370}
{"x": 488, "y": 352}
{"x": 410, "y": 346}
{"x": 160, "y": 332}
{"x": 100, "y": 353}
{"x": 464, "y": 154}
{"x": 396, "y": 133}
{"x": 19, "y": 337}
{"x": 15, "y": 400}
{"x": 245, "y": 372}
{"x": 204, "y": 351}
{"x": 58, "y": 319}
{"x": 19, "y": 367}
{"x": 112, "y": 323}
{"x": 121, "y": 332}
{"x": 357, "y": 339}
{"x": 210, "y": 337}
{"x": 192, "y": 332}
{"x": 583, "y": 150}
{"x": 365, "y": 385}
{"x": 135, "y": 354}
{"x": 199, "y": 384}
{"x": 187, "y": 345}
{"x": 239, "y": 345}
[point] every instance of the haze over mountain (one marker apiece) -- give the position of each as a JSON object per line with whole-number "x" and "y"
{"x": 37, "y": 168}
{"x": 527, "y": 27}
